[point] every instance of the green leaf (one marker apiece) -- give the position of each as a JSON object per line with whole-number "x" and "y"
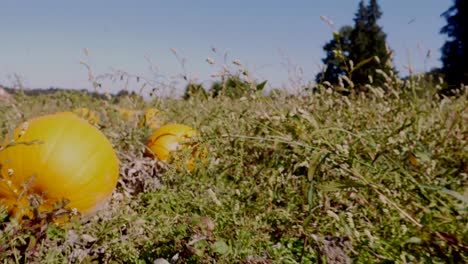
{"x": 307, "y": 220}
{"x": 220, "y": 247}
{"x": 338, "y": 186}
{"x": 423, "y": 156}
{"x": 96, "y": 85}
{"x": 336, "y": 36}
{"x": 414, "y": 240}
{"x": 454, "y": 194}
{"x": 261, "y": 85}
{"x": 310, "y": 196}
{"x": 361, "y": 63}
{"x": 315, "y": 162}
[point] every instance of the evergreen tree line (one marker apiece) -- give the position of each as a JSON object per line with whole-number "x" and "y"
{"x": 358, "y": 55}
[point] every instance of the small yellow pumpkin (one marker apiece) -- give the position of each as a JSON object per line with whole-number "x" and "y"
{"x": 128, "y": 114}
{"x": 172, "y": 138}
{"x": 58, "y": 156}
{"x": 87, "y": 114}
{"x": 150, "y": 119}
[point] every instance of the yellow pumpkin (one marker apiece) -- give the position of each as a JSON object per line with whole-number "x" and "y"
{"x": 172, "y": 138}
{"x": 128, "y": 114}
{"x": 87, "y": 114}
{"x": 150, "y": 119}
{"x": 58, "y": 156}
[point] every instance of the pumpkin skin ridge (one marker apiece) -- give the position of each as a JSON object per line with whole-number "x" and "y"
{"x": 161, "y": 150}
{"x": 56, "y": 139}
{"x": 10, "y": 193}
{"x": 190, "y": 132}
{"x": 80, "y": 173}
{"x": 44, "y": 158}
{"x": 153, "y": 141}
{"x": 51, "y": 148}
{"x": 187, "y": 133}
{"x": 91, "y": 190}
{"x": 95, "y": 152}
{"x": 22, "y": 167}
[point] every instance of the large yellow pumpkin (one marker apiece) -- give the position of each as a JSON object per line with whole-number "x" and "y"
{"x": 172, "y": 138}
{"x": 58, "y": 156}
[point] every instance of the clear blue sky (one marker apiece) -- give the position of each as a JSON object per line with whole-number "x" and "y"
{"x": 43, "y": 41}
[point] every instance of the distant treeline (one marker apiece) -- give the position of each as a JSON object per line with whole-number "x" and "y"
{"x": 49, "y": 91}
{"x": 358, "y": 55}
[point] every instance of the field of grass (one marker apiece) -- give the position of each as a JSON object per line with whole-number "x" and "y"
{"x": 312, "y": 178}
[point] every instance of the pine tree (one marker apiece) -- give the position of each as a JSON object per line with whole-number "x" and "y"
{"x": 337, "y": 52}
{"x": 455, "y": 49}
{"x": 369, "y": 50}
{"x": 359, "y": 51}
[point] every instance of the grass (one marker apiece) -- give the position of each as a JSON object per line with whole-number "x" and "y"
{"x": 315, "y": 178}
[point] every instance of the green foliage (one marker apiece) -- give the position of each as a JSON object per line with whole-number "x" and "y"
{"x": 235, "y": 87}
{"x": 455, "y": 49}
{"x": 195, "y": 90}
{"x": 124, "y": 96}
{"x": 288, "y": 179}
